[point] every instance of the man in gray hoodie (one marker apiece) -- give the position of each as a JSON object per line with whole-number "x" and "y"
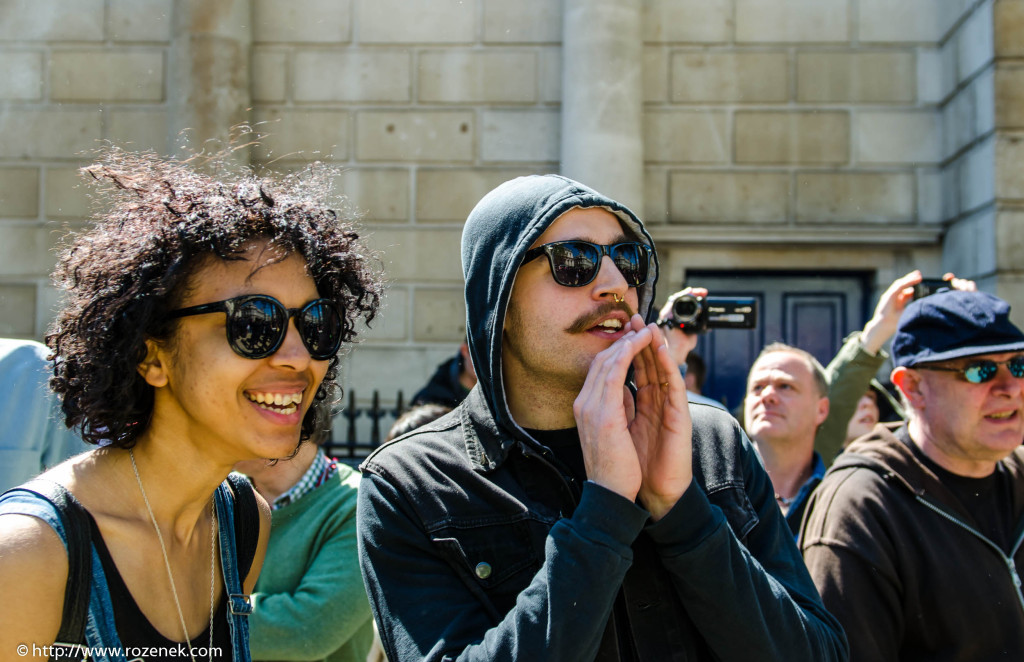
{"x": 566, "y": 510}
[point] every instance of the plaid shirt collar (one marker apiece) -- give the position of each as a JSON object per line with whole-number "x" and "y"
{"x": 321, "y": 469}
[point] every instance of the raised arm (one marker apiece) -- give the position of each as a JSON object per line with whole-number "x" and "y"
{"x": 860, "y": 357}
{"x": 849, "y": 375}
{"x": 851, "y": 370}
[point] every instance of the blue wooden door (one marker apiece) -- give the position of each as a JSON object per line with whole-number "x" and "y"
{"x": 814, "y": 312}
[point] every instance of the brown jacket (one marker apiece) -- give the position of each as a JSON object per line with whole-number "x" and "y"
{"x": 901, "y": 564}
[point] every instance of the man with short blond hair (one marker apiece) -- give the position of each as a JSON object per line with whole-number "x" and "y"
{"x": 786, "y": 401}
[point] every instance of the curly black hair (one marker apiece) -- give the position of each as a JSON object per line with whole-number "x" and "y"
{"x": 121, "y": 277}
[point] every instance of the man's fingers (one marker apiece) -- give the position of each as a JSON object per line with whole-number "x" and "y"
{"x": 641, "y": 368}
{"x": 625, "y": 356}
{"x": 656, "y": 368}
{"x": 898, "y": 293}
{"x": 645, "y": 363}
{"x": 676, "y": 387}
{"x": 597, "y": 375}
{"x": 963, "y": 284}
{"x": 610, "y": 367}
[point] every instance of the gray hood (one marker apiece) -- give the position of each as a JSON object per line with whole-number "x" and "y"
{"x": 497, "y": 234}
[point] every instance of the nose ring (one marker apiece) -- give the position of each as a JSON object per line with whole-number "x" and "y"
{"x": 617, "y": 298}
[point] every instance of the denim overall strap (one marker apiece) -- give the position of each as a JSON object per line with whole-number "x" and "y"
{"x": 100, "y": 629}
{"x": 100, "y": 634}
{"x": 239, "y": 606}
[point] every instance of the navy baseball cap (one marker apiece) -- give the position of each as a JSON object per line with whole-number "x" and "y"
{"x": 952, "y": 324}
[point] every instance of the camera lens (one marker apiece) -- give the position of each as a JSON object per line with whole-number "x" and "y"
{"x": 686, "y": 308}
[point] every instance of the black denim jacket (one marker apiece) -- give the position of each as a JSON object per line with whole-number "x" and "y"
{"x": 474, "y": 547}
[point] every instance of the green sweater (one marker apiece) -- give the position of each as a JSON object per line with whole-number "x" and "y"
{"x": 309, "y": 602}
{"x": 849, "y": 376}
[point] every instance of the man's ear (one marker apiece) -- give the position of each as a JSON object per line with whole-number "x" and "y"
{"x": 822, "y": 412}
{"x": 152, "y": 367}
{"x": 909, "y": 383}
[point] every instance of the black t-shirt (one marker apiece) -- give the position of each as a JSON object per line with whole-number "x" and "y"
{"x": 989, "y": 500}
{"x": 565, "y": 447}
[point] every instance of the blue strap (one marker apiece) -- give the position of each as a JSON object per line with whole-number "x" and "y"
{"x": 239, "y": 606}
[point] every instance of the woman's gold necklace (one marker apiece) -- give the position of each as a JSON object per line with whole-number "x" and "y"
{"x": 167, "y": 562}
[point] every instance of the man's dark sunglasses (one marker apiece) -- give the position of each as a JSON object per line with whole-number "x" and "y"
{"x": 257, "y": 324}
{"x": 982, "y": 371}
{"x": 576, "y": 263}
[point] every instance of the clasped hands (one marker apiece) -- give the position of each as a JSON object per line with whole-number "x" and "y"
{"x": 638, "y": 448}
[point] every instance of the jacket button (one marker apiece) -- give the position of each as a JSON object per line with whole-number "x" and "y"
{"x": 483, "y": 570}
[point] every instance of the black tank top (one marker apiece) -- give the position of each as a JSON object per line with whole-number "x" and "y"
{"x": 135, "y": 630}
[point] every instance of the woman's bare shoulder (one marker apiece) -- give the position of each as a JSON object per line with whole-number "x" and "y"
{"x": 27, "y": 539}
{"x": 34, "y": 567}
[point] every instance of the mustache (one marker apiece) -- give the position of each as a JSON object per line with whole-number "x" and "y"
{"x": 584, "y": 322}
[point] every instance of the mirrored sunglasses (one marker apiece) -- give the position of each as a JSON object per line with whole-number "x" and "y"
{"x": 576, "y": 263}
{"x": 257, "y": 324}
{"x": 979, "y": 372}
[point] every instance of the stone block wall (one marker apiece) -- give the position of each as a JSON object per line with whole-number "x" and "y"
{"x": 969, "y": 145}
{"x": 1008, "y": 150}
{"x": 426, "y": 113}
{"x": 778, "y": 134}
{"x": 74, "y": 74}
{"x": 798, "y": 112}
{"x": 858, "y": 131}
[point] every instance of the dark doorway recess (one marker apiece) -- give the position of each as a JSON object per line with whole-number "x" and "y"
{"x": 810, "y": 310}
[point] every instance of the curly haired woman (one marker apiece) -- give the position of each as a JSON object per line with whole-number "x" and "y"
{"x": 200, "y": 326}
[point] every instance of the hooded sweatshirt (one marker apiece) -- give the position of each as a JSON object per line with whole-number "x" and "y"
{"x": 903, "y": 564}
{"x": 476, "y": 545}
{"x": 499, "y": 231}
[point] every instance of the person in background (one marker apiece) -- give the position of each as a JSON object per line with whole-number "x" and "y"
{"x": 696, "y": 373}
{"x": 915, "y": 537}
{"x": 681, "y": 346}
{"x": 786, "y": 401}
{"x": 450, "y": 383}
{"x": 794, "y": 408}
{"x": 851, "y": 372}
{"x": 875, "y": 406}
{"x": 309, "y": 602}
{"x": 414, "y": 418}
{"x": 32, "y": 435}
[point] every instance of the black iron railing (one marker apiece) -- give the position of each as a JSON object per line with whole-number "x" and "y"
{"x": 345, "y": 441}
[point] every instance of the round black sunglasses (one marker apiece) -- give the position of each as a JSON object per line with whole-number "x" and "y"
{"x": 981, "y": 371}
{"x": 257, "y": 324}
{"x": 576, "y": 263}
